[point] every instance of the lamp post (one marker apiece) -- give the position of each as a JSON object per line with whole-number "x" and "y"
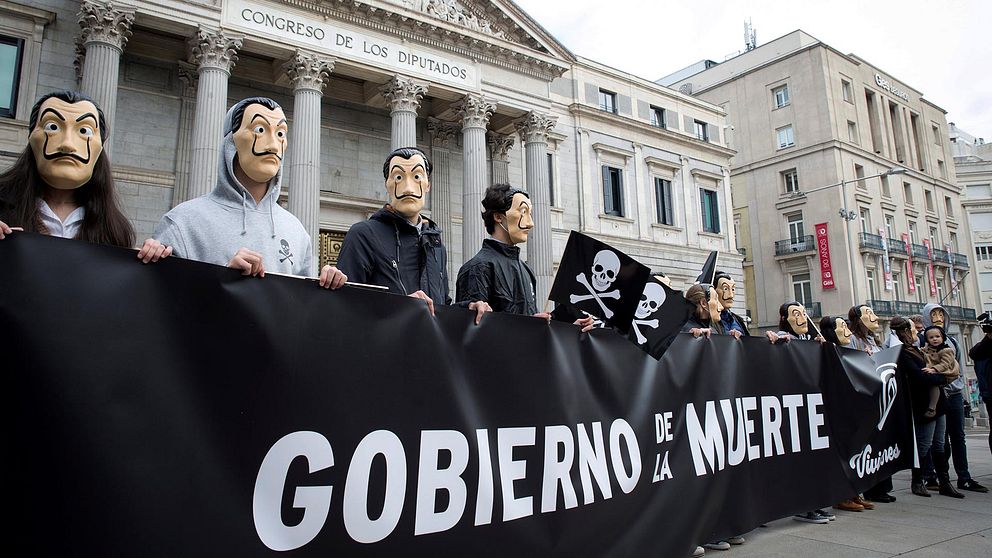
{"x": 849, "y": 216}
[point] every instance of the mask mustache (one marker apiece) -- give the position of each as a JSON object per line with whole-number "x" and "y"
{"x": 58, "y": 154}
{"x": 264, "y": 153}
{"x": 410, "y": 195}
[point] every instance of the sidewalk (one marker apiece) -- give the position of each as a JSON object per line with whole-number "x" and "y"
{"x": 912, "y": 526}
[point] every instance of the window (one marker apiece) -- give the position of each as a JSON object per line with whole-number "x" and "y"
{"x": 10, "y": 74}
{"x": 890, "y": 225}
{"x": 948, "y": 206}
{"x": 907, "y": 192}
{"x": 895, "y": 285}
{"x": 983, "y": 253}
{"x": 802, "y": 289}
{"x": 921, "y": 297}
{"x": 663, "y": 201}
{"x": 953, "y": 237}
{"x": 977, "y": 191}
{"x": 912, "y": 232}
{"x": 612, "y": 191}
{"x": 865, "y": 220}
{"x": 886, "y": 192}
{"x": 710, "y": 210}
{"x": 934, "y": 238}
{"x": 940, "y": 288}
{"x": 791, "y": 180}
{"x": 797, "y": 230}
{"x": 846, "y": 91}
{"x": 781, "y": 95}
{"x": 785, "y": 137}
{"x": 657, "y": 116}
{"x": 607, "y": 101}
{"x": 985, "y": 281}
{"x": 870, "y": 275}
{"x": 852, "y": 132}
{"x": 928, "y": 200}
{"x": 936, "y": 134}
{"x": 859, "y": 173}
{"x": 941, "y": 168}
{"x": 701, "y": 131}
{"x": 551, "y": 179}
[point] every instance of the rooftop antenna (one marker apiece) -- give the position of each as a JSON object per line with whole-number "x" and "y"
{"x": 750, "y": 37}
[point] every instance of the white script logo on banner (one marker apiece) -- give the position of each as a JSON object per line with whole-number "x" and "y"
{"x": 890, "y": 388}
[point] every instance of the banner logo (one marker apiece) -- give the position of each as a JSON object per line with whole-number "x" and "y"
{"x": 864, "y": 464}
{"x": 890, "y": 388}
{"x": 604, "y": 271}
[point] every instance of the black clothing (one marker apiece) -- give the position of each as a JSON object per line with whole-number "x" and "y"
{"x": 911, "y": 365}
{"x": 497, "y": 276}
{"x": 695, "y": 323}
{"x": 387, "y": 250}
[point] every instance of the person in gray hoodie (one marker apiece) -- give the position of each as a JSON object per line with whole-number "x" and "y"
{"x": 239, "y": 224}
{"x": 935, "y": 314}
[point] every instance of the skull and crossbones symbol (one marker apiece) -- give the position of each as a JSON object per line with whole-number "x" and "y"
{"x": 651, "y": 300}
{"x": 604, "y": 271}
{"x": 287, "y": 255}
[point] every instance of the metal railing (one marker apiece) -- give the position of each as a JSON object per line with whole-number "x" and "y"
{"x": 897, "y": 246}
{"x": 868, "y": 240}
{"x": 960, "y": 260}
{"x": 970, "y": 314}
{"x": 813, "y": 309}
{"x": 956, "y": 312}
{"x": 881, "y": 307}
{"x": 941, "y": 257}
{"x": 920, "y": 251}
{"x": 907, "y": 309}
{"x": 794, "y": 246}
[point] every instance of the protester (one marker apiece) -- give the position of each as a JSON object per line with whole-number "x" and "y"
{"x": 62, "y": 184}
{"x": 864, "y": 327}
{"x": 397, "y": 247}
{"x": 705, "y": 315}
{"x": 981, "y": 355}
{"x": 935, "y": 314}
{"x": 726, "y": 290}
{"x": 793, "y": 323}
{"x": 940, "y": 360}
{"x": 239, "y": 223}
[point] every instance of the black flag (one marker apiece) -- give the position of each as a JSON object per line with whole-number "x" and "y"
{"x": 660, "y": 315}
{"x": 600, "y": 280}
{"x": 709, "y": 270}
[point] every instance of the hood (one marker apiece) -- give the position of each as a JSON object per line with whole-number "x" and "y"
{"x": 927, "y": 322}
{"x": 229, "y": 192}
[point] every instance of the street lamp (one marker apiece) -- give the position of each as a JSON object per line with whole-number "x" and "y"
{"x": 849, "y": 216}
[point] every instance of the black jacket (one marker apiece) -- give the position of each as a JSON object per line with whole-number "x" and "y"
{"x": 387, "y": 250}
{"x": 911, "y": 366}
{"x": 497, "y": 276}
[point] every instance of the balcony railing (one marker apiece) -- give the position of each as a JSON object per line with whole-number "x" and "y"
{"x": 920, "y": 251}
{"x": 868, "y": 240}
{"x": 881, "y": 307}
{"x": 897, "y": 246}
{"x": 907, "y": 309}
{"x": 813, "y": 309}
{"x": 941, "y": 257}
{"x": 791, "y": 246}
{"x": 956, "y": 312}
{"x": 970, "y": 314}
{"x": 960, "y": 260}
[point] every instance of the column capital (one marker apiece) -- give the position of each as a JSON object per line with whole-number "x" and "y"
{"x": 212, "y": 48}
{"x": 308, "y": 71}
{"x": 535, "y": 127}
{"x": 188, "y": 77}
{"x": 442, "y": 133}
{"x": 102, "y": 22}
{"x": 474, "y": 110}
{"x": 499, "y": 146}
{"x": 403, "y": 93}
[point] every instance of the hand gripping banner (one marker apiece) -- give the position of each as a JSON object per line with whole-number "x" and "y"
{"x": 179, "y": 409}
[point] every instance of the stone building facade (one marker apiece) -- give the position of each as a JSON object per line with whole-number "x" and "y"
{"x": 478, "y": 85}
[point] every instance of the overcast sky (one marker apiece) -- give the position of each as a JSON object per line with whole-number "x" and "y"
{"x": 942, "y": 48}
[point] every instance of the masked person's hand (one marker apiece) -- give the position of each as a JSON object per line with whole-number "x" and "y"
{"x": 331, "y": 277}
{"x": 423, "y": 296}
{"x": 480, "y": 307}
{"x": 152, "y": 251}
{"x": 250, "y": 263}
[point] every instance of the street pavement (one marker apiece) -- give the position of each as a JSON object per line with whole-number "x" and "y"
{"x": 912, "y": 526}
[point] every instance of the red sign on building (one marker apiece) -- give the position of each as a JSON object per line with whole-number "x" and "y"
{"x": 823, "y": 250}
{"x": 930, "y": 272}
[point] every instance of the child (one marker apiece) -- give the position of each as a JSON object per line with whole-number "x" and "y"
{"x": 940, "y": 360}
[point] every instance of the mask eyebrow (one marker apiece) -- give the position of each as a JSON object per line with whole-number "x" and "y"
{"x": 53, "y": 111}
{"x": 257, "y": 115}
{"x": 85, "y": 116}
{"x": 415, "y": 167}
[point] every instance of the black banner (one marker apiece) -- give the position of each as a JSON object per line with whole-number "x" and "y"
{"x": 180, "y": 409}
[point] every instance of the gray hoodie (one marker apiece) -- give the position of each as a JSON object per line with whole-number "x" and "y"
{"x": 957, "y": 386}
{"x": 212, "y": 228}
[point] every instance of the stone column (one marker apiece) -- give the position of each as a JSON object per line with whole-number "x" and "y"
{"x": 105, "y": 30}
{"x": 308, "y": 73}
{"x": 404, "y": 96}
{"x": 442, "y": 137}
{"x": 534, "y": 129}
{"x": 475, "y": 111}
{"x": 188, "y": 78}
{"x": 499, "y": 155}
{"x": 214, "y": 54}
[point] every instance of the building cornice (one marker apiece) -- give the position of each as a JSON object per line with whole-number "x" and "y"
{"x": 579, "y": 109}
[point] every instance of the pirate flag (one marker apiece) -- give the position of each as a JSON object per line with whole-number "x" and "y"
{"x": 709, "y": 270}
{"x": 600, "y": 280}
{"x": 660, "y": 315}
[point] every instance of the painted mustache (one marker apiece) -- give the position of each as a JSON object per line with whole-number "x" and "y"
{"x": 263, "y": 153}
{"x": 410, "y": 195}
{"x": 59, "y": 154}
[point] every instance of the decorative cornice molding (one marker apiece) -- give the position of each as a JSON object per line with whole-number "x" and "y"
{"x": 188, "y": 77}
{"x": 474, "y": 110}
{"x": 499, "y": 146}
{"x": 535, "y": 127}
{"x": 213, "y": 48}
{"x": 308, "y": 71}
{"x": 442, "y": 133}
{"x": 403, "y": 93}
{"x": 454, "y": 12}
{"x": 102, "y": 22}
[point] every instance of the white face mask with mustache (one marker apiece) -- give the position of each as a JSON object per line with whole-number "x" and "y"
{"x": 261, "y": 142}
{"x": 66, "y": 142}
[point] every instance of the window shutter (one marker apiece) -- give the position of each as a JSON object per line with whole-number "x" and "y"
{"x": 607, "y": 191}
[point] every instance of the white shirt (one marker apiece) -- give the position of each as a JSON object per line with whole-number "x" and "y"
{"x": 56, "y": 227}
